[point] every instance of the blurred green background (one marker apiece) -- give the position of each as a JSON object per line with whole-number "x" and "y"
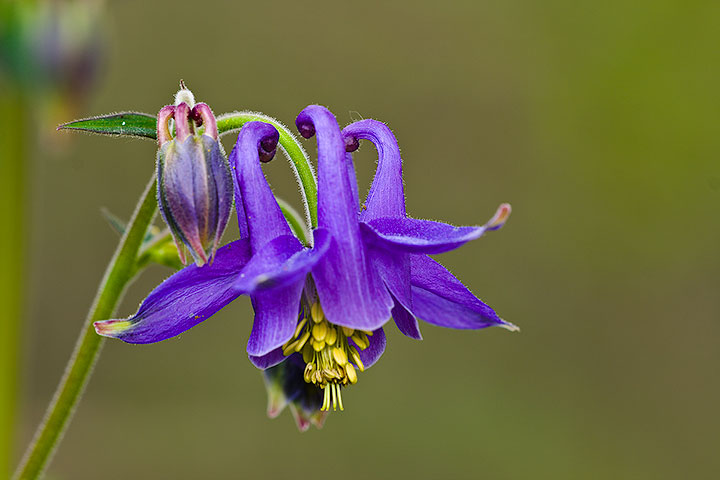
{"x": 597, "y": 121}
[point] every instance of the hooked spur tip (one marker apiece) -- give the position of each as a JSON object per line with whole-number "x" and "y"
{"x": 306, "y": 129}
{"x": 268, "y": 146}
{"x": 351, "y": 143}
{"x": 267, "y": 149}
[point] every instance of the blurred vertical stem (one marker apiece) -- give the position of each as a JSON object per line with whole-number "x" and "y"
{"x": 117, "y": 276}
{"x": 13, "y": 165}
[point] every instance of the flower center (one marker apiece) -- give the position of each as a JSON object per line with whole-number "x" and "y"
{"x": 328, "y": 354}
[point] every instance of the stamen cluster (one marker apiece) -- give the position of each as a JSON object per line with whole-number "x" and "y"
{"x": 329, "y": 357}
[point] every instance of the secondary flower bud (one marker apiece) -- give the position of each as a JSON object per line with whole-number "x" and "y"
{"x": 286, "y": 388}
{"x": 195, "y": 190}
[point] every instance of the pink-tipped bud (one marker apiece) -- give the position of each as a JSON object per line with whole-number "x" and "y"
{"x": 195, "y": 190}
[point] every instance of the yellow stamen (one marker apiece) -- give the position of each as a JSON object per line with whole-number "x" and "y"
{"x": 307, "y": 353}
{"x": 301, "y": 341}
{"x": 319, "y": 331}
{"x": 299, "y": 327}
{"x": 355, "y": 356}
{"x": 317, "y": 313}
{"x": 360, "y": 341}
{"x": 332, "y": 361}
{"x": 333, "y": 388}
{"x": 340, "y": 356}
{"x": 331, "y": 336}
{"x": 339, "y": 397}
{"x": 351, "y": 373}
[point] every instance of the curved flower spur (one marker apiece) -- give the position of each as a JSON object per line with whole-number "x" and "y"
{"x": 362, "y": 269}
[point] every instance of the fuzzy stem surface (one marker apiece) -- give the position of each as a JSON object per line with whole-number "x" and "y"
{"x": 119, "y": 273}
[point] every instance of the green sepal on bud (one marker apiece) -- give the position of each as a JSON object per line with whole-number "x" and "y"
{"x": 157, "y": 246}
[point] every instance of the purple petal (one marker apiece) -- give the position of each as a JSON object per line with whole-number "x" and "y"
{"x": 353, "y": 181}
{"x": 375, "y": 350}
{"x": 406, "y": 322}
{"x": 265, "y": 220}
{"x": 276, "y": 316}
{"x": 386, "y": 197}
{"x": 182, "y": 301}
{"x": 280, "y": 262}
{"x": 441, "y": 299}
{"x": 268, "y": 360}
{"x": 350, "y": 291}
{"x": 417, "y": 236}
{"x": 394, "y": 269}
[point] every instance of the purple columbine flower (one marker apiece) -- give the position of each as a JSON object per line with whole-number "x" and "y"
{"x": 195, "y": 190}
{"x": 322, "y": 306}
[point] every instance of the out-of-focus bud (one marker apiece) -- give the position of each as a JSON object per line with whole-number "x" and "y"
{"x": 195, "y": 190}
{"x": 286, "y": 387}
{"x": 51, "y": 52}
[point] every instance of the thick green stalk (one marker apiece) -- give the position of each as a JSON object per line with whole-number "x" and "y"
{"x": 13, "y": 168}
{"x": 117, "y": 276}
{"x": 304, "y": 173}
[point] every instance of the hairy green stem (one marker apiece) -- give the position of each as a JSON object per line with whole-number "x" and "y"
{"x": 293, "y": 218}
{"x": 117, "y": 276}
{"x": 13, "y": 168}
{"x": 304, "y": 173}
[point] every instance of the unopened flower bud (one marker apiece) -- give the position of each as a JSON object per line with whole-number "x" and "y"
{"x": 286, "y": 387}
{"x": 195, "y": 190}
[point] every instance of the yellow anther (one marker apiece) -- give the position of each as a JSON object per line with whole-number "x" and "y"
{"x": 307, "y": 375}
{"x": 307, "y": 353}
{"x": 317, "y": 313}
{"x": 317, "y": 346}
{"x": 351, "y": 373}
{"x": 301, "y": 341}
{"x": 319, "y": 331}
{"x": 339, "y": 356}
{"x": 355, "y": 356}
{"x": 300, "y": 327}
{"x": 369, "y": 333}
{"x": 361, "y": 342}
{"x": 331, "y": 336}
{"x": 348, "y": 331}
{"x": 289, "y": 348}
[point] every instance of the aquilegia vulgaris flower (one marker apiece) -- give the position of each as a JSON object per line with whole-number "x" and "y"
{"x": 319, "y": 310}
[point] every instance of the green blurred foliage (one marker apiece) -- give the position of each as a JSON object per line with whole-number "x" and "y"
{"x": 597, "y": 121}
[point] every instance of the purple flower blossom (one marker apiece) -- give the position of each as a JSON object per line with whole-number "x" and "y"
{"x": 322, "y": 307}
